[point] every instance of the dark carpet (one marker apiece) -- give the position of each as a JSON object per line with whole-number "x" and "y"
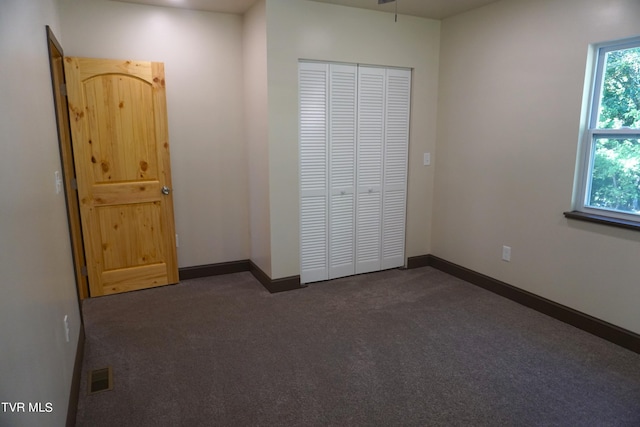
{"x": 399, "y": 347}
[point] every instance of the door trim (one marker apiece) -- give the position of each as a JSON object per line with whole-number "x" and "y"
{"x": 56, "y": 56}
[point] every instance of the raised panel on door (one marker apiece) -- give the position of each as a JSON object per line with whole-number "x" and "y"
{"x": 396, "y": 150}
{"x": 342, "y": 170}
{"x": 371, "y": 99}
{"x": 313, "y": 151}
{"x": 121, "y": 149}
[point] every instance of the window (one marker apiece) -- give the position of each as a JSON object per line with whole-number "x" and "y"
{"x": 609, "y": 170}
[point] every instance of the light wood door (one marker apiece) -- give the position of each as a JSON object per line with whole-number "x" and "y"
{"x": 121, "y": 149}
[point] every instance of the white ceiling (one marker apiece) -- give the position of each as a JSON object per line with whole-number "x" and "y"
{"x": 436, "y": 9}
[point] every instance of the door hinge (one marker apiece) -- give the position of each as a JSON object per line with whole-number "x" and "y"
{"x": 63, "y": 89}
{"x": 74, "y": 183}
{"x": 84, "y": 271}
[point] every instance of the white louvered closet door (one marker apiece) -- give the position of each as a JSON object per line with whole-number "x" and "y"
{"x": 313, "y": 81}
{"x": 371, "y": 101}
{"x": 396, "y": 151}
{"x": 354, "y": 136}
{"x": 342, "y": 172}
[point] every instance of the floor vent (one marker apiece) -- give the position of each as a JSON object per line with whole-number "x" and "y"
{"x": 100, "y": 380}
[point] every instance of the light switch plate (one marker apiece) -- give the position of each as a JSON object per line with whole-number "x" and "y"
{"x": 58, "y": 179}
{"x": 427, "y": 159}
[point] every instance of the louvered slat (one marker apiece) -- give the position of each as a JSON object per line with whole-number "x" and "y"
{"x": 398, "y": 90}
{"x": 368, "y": 233}
{"x": 354, "y": 131}
{"x": 313, "y": 233}
{"x": 371, "y": 99}
{"x": 342, "y": 146}
{"x": 341, "y": 245}
{"x": 313, "y": 86}
{"x": 370, "y": 126}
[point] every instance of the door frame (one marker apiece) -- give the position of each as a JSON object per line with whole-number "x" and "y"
{"x": 56, "y": 58}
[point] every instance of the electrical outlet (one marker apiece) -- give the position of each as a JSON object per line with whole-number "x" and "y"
{"x": 66, "y": 327}
{"x": 506, "y": 253}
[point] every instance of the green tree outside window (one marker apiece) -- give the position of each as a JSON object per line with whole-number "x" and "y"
{"x": 615, "y": 177}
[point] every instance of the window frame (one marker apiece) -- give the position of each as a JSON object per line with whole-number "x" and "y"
{"x": 588, "y": 142}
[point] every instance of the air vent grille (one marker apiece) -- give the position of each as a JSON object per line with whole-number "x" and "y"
{"x": 100, "y": 380}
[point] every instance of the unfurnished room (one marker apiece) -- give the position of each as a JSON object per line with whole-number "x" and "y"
{"x": 320, "y": 212}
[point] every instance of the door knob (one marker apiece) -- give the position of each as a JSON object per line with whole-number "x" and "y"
{"x": 166, "y": 190}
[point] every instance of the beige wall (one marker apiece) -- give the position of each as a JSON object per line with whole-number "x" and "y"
{"x": 38, "y": 284}
{"x": 512, "y": 77}
{"x": 508, "y": 114}
{"x": 256, "y": 132}
{"x": 202, "y": 53}
{"x": 309, "y": 30}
